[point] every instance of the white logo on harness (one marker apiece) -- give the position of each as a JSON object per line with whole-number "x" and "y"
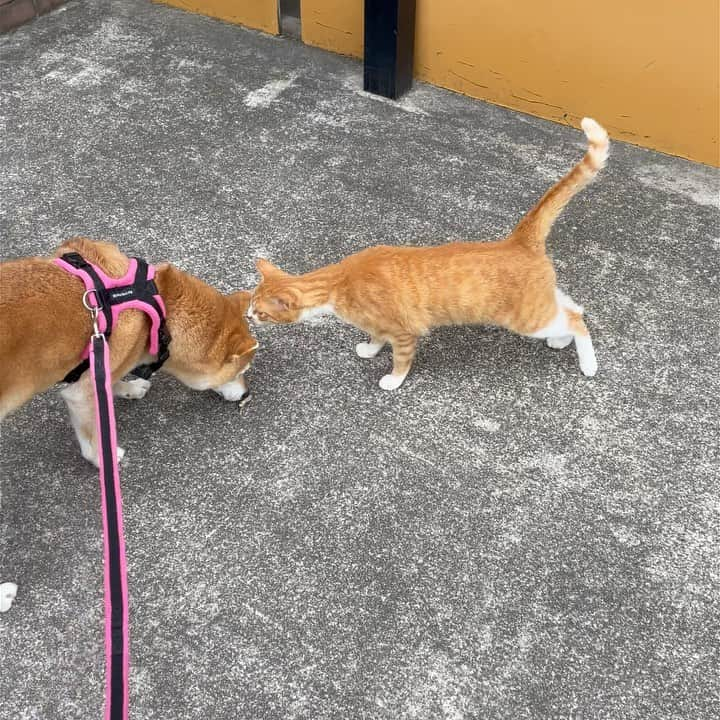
{"x": 124, "y": 293}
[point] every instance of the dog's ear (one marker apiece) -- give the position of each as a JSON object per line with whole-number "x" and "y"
{"x": 78, "y": 244}
{"x": 241, "y": 301}
{"x": 243, "y": 354}
{"x": 267, "y": 269}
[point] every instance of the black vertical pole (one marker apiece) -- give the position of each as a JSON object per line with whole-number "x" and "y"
{"x": 389, "y": 44}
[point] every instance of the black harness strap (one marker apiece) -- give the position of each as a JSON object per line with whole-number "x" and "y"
{"x": 145, "y": 371}
{"x": 79, "y": 262}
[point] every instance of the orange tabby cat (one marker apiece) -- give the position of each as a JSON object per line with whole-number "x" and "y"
{"x": 397, "y": 294}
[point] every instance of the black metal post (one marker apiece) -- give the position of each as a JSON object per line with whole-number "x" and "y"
{"x": 389, "y": 44}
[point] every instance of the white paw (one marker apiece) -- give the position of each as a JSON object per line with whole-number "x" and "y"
{"x": 558, "y": 343}
{"x": 91, "y": 456}
{"x": 134, "y": 389}
{"x": 367, "y": 350}
{"x": 391, "y": 382}
{"x": 589, "y": 367}
{"x": 8, "y": 592}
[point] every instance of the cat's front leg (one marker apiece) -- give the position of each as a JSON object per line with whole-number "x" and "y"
{"x": 403, "y": 353}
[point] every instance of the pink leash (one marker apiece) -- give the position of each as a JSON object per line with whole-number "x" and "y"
{"x": 106, "y": 298}
{"x": 117, "y": 640}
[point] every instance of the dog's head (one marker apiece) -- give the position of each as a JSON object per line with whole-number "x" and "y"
{"x": 212, "y": 346}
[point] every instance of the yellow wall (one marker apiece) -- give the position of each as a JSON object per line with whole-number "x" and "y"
{"x": 336, "y": 26}
{"x": 258, "y": 14}
{"x": 649, "y": 70}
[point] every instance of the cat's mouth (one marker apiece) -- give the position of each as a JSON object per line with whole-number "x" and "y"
{"x": 252, "y": 316}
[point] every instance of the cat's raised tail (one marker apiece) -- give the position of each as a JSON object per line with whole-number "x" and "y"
{"x": 533, "y": 229}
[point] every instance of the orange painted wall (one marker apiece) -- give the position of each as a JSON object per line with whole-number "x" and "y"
{"x": 649, "y": 70}
{"x": 258, "y": 14}
{"x": 336, "y": 26}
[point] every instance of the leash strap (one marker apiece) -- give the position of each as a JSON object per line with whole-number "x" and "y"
{"x": 116, "y": 594}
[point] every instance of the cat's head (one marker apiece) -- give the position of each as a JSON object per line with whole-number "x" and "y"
{"x": 274, "y": 300}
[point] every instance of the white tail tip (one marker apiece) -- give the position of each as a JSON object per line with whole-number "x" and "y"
{"x": 594, "y": 132}
{"x": 598, "y": 138}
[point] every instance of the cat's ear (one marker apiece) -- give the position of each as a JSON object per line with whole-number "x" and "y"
{"x": 267, "y": 269}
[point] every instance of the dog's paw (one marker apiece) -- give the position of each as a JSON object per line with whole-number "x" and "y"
{"x": 134, "y": 389}
{"x": 8, "y": 593}
{"x": 91, "y": 456}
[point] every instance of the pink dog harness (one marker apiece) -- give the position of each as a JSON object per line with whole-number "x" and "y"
{"x": 105, "y": 298}
{"x": 136, "y": 290}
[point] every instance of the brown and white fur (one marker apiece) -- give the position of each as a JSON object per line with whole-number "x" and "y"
{"x": 397, "y": 294}
{"x": 44, "y": 329}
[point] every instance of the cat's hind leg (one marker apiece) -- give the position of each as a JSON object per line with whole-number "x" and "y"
{"x": 566, "y": 326}
{"x": 584, "y": 347}
{"x": 403, "y": 353}
{"x": 369, "y": 349}
{"x": 583, "y": 342}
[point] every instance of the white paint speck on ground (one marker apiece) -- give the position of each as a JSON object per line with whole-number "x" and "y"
{"x": 549, "y": 463}
{"x": 264, "y": 96}
{"x": 695, "y": 182}
{"x": 91, "y": 74}
{"x": 320, "y": 118}
{"x": 405, "y": 103}
{"x": 486, "y": 424}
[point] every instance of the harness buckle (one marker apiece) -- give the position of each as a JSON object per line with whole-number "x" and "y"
{"x": 94, "y": 310}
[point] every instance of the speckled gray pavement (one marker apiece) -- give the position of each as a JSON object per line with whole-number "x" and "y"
{"x": 503, "y": 538}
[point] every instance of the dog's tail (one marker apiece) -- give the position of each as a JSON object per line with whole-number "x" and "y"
{"x": 534, "y": 227}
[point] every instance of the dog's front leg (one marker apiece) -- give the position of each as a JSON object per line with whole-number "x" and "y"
{"x": 81, "y": 406}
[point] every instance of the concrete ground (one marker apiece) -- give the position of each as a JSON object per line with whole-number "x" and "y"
{"x": 503, "y": 538}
